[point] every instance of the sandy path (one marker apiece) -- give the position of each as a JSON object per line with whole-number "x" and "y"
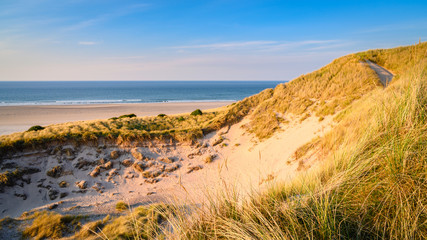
{"x": 384, "y": 75}
{"x": 20, "y": 118}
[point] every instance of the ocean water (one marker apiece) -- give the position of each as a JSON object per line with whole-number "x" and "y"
{"x": 99, "y": 92}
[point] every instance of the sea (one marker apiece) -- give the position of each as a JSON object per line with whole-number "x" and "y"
{"x": 13, "y": 93}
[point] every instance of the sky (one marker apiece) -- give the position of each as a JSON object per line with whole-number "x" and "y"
{"x": 195, "y": 40}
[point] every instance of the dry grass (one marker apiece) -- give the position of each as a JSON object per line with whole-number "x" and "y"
{"x": 141, "y": 223}
{"x": 146, "y": 222}
{"x": 332, "y": 88}
{"x": 122, "y": 206}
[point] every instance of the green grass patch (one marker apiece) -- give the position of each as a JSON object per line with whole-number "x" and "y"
{"x": 196, "y": 112}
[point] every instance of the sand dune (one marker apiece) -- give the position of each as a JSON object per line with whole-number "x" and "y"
{"x": 156, "y": 171}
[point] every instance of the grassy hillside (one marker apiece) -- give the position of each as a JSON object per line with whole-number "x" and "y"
{"x": 371, "y": 183}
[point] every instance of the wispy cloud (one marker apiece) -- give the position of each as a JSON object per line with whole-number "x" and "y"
{"x": 262, "y": 45}
{"x": 395, "y": 27}
{"x": 87, "y": 43}
{"x": 107, "y": 16}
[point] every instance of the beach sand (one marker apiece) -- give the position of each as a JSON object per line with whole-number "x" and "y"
{"x": 20, "y": 118}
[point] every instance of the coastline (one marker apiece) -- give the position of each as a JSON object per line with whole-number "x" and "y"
{"x": 20, "y": 118}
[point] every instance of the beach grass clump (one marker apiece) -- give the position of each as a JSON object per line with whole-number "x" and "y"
{"x": 122, "y": 206}
{"x": 370, "y": 185}
{"x": 50, "y": 225}
{"x": 35, "y": 128}
{"x": 9, "y": 178}
{"x": 145, "y": 222}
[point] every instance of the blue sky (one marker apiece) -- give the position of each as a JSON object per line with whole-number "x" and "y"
{"x": 194, "y": 40}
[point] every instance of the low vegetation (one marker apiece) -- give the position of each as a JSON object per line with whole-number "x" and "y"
{"x": 132, "y": 115}
{"x": 145, "y": 222}
{"x": 50, "y": 225}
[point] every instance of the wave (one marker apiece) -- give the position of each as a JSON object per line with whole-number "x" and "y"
{"x": 107, "y": 101}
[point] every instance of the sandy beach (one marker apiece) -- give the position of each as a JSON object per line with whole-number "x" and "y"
{"x": 20, "y": 118}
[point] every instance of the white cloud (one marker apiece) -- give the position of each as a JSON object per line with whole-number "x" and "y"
{"x": 228, "y": 45}
{"x": 87, "y": 43}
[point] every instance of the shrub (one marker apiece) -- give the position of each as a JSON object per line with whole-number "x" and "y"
{"x": 35, "y": 128}
{"x": 127, "y": 116}
{"x": 161, "y": 115}
{"x": 180, "y": 119}
{"x": 196, "y": 112}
